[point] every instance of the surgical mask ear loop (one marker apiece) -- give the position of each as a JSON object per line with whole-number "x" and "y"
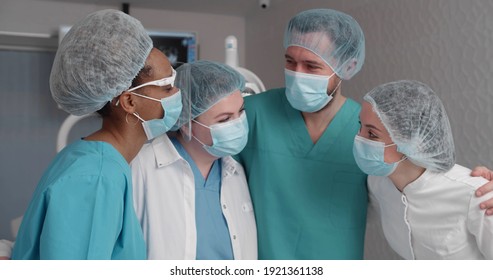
{"x": 136, "y": 115}
{"x": 403, "y": 158}
{"x": 193, "y": 136}
{"x": 339, "y": 84}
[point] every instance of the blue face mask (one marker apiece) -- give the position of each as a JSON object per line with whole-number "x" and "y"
{"x": 172, "y": 106}
{"x": 307, "y": 92}
{"x": 228, "y": 138}
{"x": 369, "y": 156}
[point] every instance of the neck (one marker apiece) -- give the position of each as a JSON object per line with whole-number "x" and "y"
{"x": 202, "y": 158}
{"x": 405, "y": 173}
{"x": 126, "y": 138}
{"x": 317, "y": 122}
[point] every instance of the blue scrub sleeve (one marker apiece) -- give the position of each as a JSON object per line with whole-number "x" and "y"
{"x": 83, "y": 219}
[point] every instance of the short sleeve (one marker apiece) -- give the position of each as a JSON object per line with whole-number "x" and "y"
{"x": 83, "y": 218}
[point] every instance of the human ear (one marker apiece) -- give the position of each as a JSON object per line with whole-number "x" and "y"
{"x": 349, "y": 67}
{"x": 126, "y": 101}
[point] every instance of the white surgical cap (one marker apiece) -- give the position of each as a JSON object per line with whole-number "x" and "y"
{"x": 97, "y": 60}
{"x": 417, "y": 122}
{"x": 334, "y": 36}
{"x": 203, "y": 84}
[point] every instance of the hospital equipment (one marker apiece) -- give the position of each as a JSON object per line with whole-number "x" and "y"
{"x": 253, "y": 84}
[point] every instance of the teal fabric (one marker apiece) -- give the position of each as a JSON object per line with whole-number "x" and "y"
{"x": 213, "y": 241}
{"x": 310, "y": 199}
{"x": 82, "y": 208}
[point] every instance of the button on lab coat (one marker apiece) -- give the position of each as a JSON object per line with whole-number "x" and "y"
{"x": 164, "y": 196}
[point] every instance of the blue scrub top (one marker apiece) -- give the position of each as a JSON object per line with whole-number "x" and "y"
{"x": 310, "y": 199}
{"x": 213, "y": 240}
{"x": 82, "y": 208}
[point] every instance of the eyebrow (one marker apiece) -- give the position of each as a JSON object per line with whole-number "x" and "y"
{"x": 307, "y": 61}
{"x": 373, "y": 127}
{"x": 229, "y": 113}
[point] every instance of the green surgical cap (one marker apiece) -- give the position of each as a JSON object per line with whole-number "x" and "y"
{"x": 97, "y": 60}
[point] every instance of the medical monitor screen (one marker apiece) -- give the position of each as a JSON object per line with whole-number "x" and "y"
{"x": 179, "y": 47}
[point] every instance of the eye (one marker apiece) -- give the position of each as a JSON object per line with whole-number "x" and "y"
{"x": 225, "y": 119}
{"x": 313, "y": 67}
{"x": 167, "y": 88}
{"x": 372, "y": 135}
{"x": 289, "y": 61}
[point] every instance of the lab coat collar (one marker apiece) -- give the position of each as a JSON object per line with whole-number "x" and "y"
{"x": 230, "y": 166}
{"x": 166, "y": 154}
{"x": 164, "y": 151}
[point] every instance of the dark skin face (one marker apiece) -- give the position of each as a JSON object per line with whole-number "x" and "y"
{"x": 157, "y": 67}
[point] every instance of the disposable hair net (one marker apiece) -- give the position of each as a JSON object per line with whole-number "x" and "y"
{"x": 203, "y": 84}
{"x": 97, "y": 60}
{"x": 417, "y": 122}
{"x": 332, "y": 35}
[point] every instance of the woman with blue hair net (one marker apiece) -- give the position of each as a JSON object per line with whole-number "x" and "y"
{"x": 426, "y": 202}
{"x": 191, "y": 196}
{"x": 82, "y": 207}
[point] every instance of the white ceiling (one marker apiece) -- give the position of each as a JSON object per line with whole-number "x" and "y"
{"x": 223, "y": 7}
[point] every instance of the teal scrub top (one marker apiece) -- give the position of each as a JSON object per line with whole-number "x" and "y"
{"x": 213, "y": 241}
{"x": 310, "y": 199}
{"x": 82, "y": 208}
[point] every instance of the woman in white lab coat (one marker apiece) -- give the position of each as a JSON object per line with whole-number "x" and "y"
{"x": 427, "y": 203}
{"x": 191, "y": 196}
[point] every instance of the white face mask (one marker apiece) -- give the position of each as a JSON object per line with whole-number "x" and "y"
{"x": 307, "y": 92}
{"x": 228, "y": 138}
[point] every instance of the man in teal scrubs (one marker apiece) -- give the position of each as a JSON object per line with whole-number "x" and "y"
{"x": 309, "y": 196}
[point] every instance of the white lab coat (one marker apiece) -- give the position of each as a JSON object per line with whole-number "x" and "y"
{"x": 436, "y": 217}
{"x": 164, "y": 196}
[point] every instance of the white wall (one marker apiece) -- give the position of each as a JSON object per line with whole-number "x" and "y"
{"x": 35, "y": 16}
{"x": 446, "y": 44}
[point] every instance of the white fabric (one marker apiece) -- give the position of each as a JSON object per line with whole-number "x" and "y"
{"x": 164, "y": 195}
{"x": 440, "y": 214}
{"x": 6, "y": 248}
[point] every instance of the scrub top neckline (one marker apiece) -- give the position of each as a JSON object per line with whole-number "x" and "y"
{"x": 328, "y": 137}
{"x": 200, "y": 181}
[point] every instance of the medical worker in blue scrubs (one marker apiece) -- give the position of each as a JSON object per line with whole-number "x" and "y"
{"x": 309, "y": 196}
{"x": 83, "y": 207}
{"x": 191, "y": 196}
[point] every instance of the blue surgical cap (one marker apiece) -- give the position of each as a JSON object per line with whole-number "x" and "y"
{"x": 97, "y": 60}
{"x": 332, "y": 35}
{"x": 417, "y": 122}
{"x": 203, "y": 84}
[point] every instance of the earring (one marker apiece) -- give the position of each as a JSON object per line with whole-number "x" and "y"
{"x": 126, "y": 119}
